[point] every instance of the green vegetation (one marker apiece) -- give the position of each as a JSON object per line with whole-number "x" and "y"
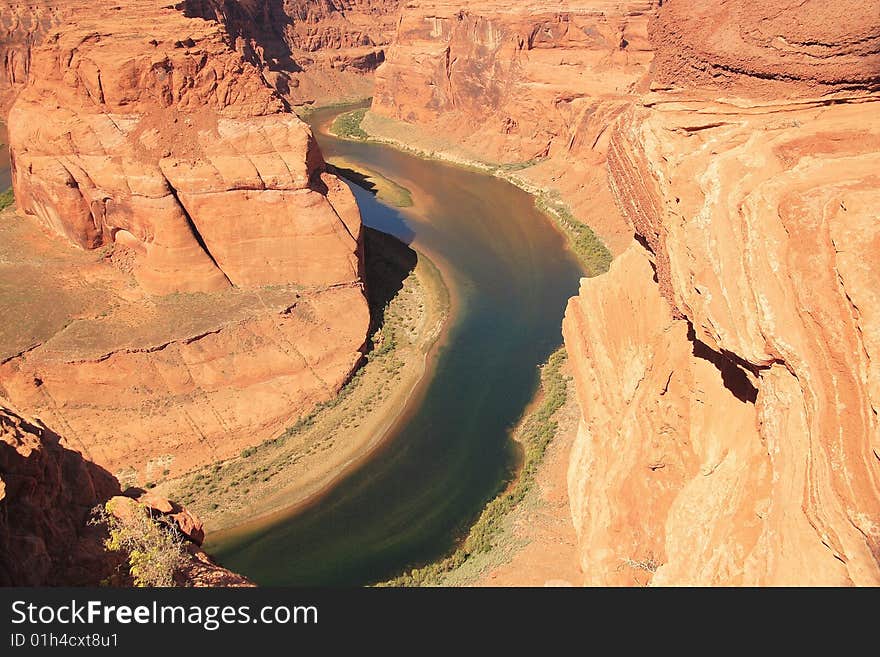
{"x": 407, "y": 301}
{"x": 348, "y": 125}
{"x": 519, "y": 166}
{"x": 155, "y": 552}
{"x": 536, "y": 433}
{"x": 6, "y": 199}
{"x": 649, "y": 564}
{"x": 590, "y": 250}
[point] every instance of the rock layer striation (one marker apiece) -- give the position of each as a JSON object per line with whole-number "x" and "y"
{"x": 727, "y": 366}
{"x": 204, "y": 286}
{"x": 530, "y": 87}
{"x": 311, "y": 52}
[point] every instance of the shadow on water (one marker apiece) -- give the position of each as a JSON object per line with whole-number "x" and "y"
{"x": 380, "y": 217}
{"x": 356, "y": 177}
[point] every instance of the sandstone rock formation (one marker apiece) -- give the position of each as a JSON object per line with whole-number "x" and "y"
{"x": 219, "y": 295}
{"x": 22, "y": 26}
{"x": 311, "y": 52}
{"x": 524, "y": 84}
{"x": 518, "y": 81}
{"x": 727, "y": 366}
{"x": 47, "y": 494}
{"x": 167, "y": 142}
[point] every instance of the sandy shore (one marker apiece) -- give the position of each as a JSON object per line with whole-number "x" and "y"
{"x": 538, "y": 544}
{"x": 281, "y": 476}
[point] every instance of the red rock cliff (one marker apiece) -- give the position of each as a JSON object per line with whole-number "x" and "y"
{"x": 520, "y": 81}
{"x": 727, "y": 366}
{"x": 144, "y": 139}
{"x": 164, "y": 140}
{"x": 47, "y": 494}
{"x": 310, "y": 51}
{"x": 532, "y": 84}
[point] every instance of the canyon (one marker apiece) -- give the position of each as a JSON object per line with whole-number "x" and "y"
{"x": 49, "y": 492}
{"x": 310, "y": 52}
{"x": 155, "y": 329}
{"x": 530, "y": 86}
{"x": 730, "y": 434}
{"x": 203, "y": 333}
{"x": 725, "y": 367}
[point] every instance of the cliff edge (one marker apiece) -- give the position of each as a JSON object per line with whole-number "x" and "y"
{"x": 187, "y": 277}
{"x": 727, "y": 366}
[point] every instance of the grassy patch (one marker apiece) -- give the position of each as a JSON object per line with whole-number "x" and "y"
{"x": 590, "y": 250}
{"x": 348, "y": 125}
{"x": 519, "y": 166}
{"x": 536, "y": 433}
{"x": 6, "y": 199}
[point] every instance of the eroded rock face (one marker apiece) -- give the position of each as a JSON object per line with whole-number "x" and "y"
{"x": 22, "y": 26}
{"x": 769, "y": 49}
{"x": 727, "y": 365}
{"x": 311, "y": 52}
{"x": 170, "y": 143}
{"x": 223, "y": 264}
{"x": 47, "y": 494}
{"x": 534, "y": 85}
{"x": 520, "y": 80}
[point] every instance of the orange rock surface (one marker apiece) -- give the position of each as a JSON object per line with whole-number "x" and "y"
{"x": 516, "y": 80}
{"x": 727, "y": 366}
{"x": 533, "y": 84}
{"x": 47, "y": 494}
{"x": 311, "y": 52}
{"x": 223, "y": 264}
{"x": 22, "y": 25}
{"x": 170, "y": 143}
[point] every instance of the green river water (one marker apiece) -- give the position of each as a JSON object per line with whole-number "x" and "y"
{"x": 415, "y": 496}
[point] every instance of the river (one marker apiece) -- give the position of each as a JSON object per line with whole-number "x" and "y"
{"x": 511, "y": 275}
{"x": 5, "y": 173}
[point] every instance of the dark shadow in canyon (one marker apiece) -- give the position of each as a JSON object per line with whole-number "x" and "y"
{"x": 261, "y": 28}
{"x": 387, "y": 264}
{"x": 355, "y": 177}
{"x": 45, "y": 538}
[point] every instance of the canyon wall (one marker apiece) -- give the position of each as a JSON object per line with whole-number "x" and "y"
{"x": 47, "y": 494}
{"x": 529, "y": 85}
{"x": 22, "y": 25}
{"x": 203, "y": 288}
{"x": 727, "y": 366}
{"x": 311, "y": 52}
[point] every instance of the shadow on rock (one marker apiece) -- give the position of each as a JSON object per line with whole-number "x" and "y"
{"x": 47, "y": 493}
